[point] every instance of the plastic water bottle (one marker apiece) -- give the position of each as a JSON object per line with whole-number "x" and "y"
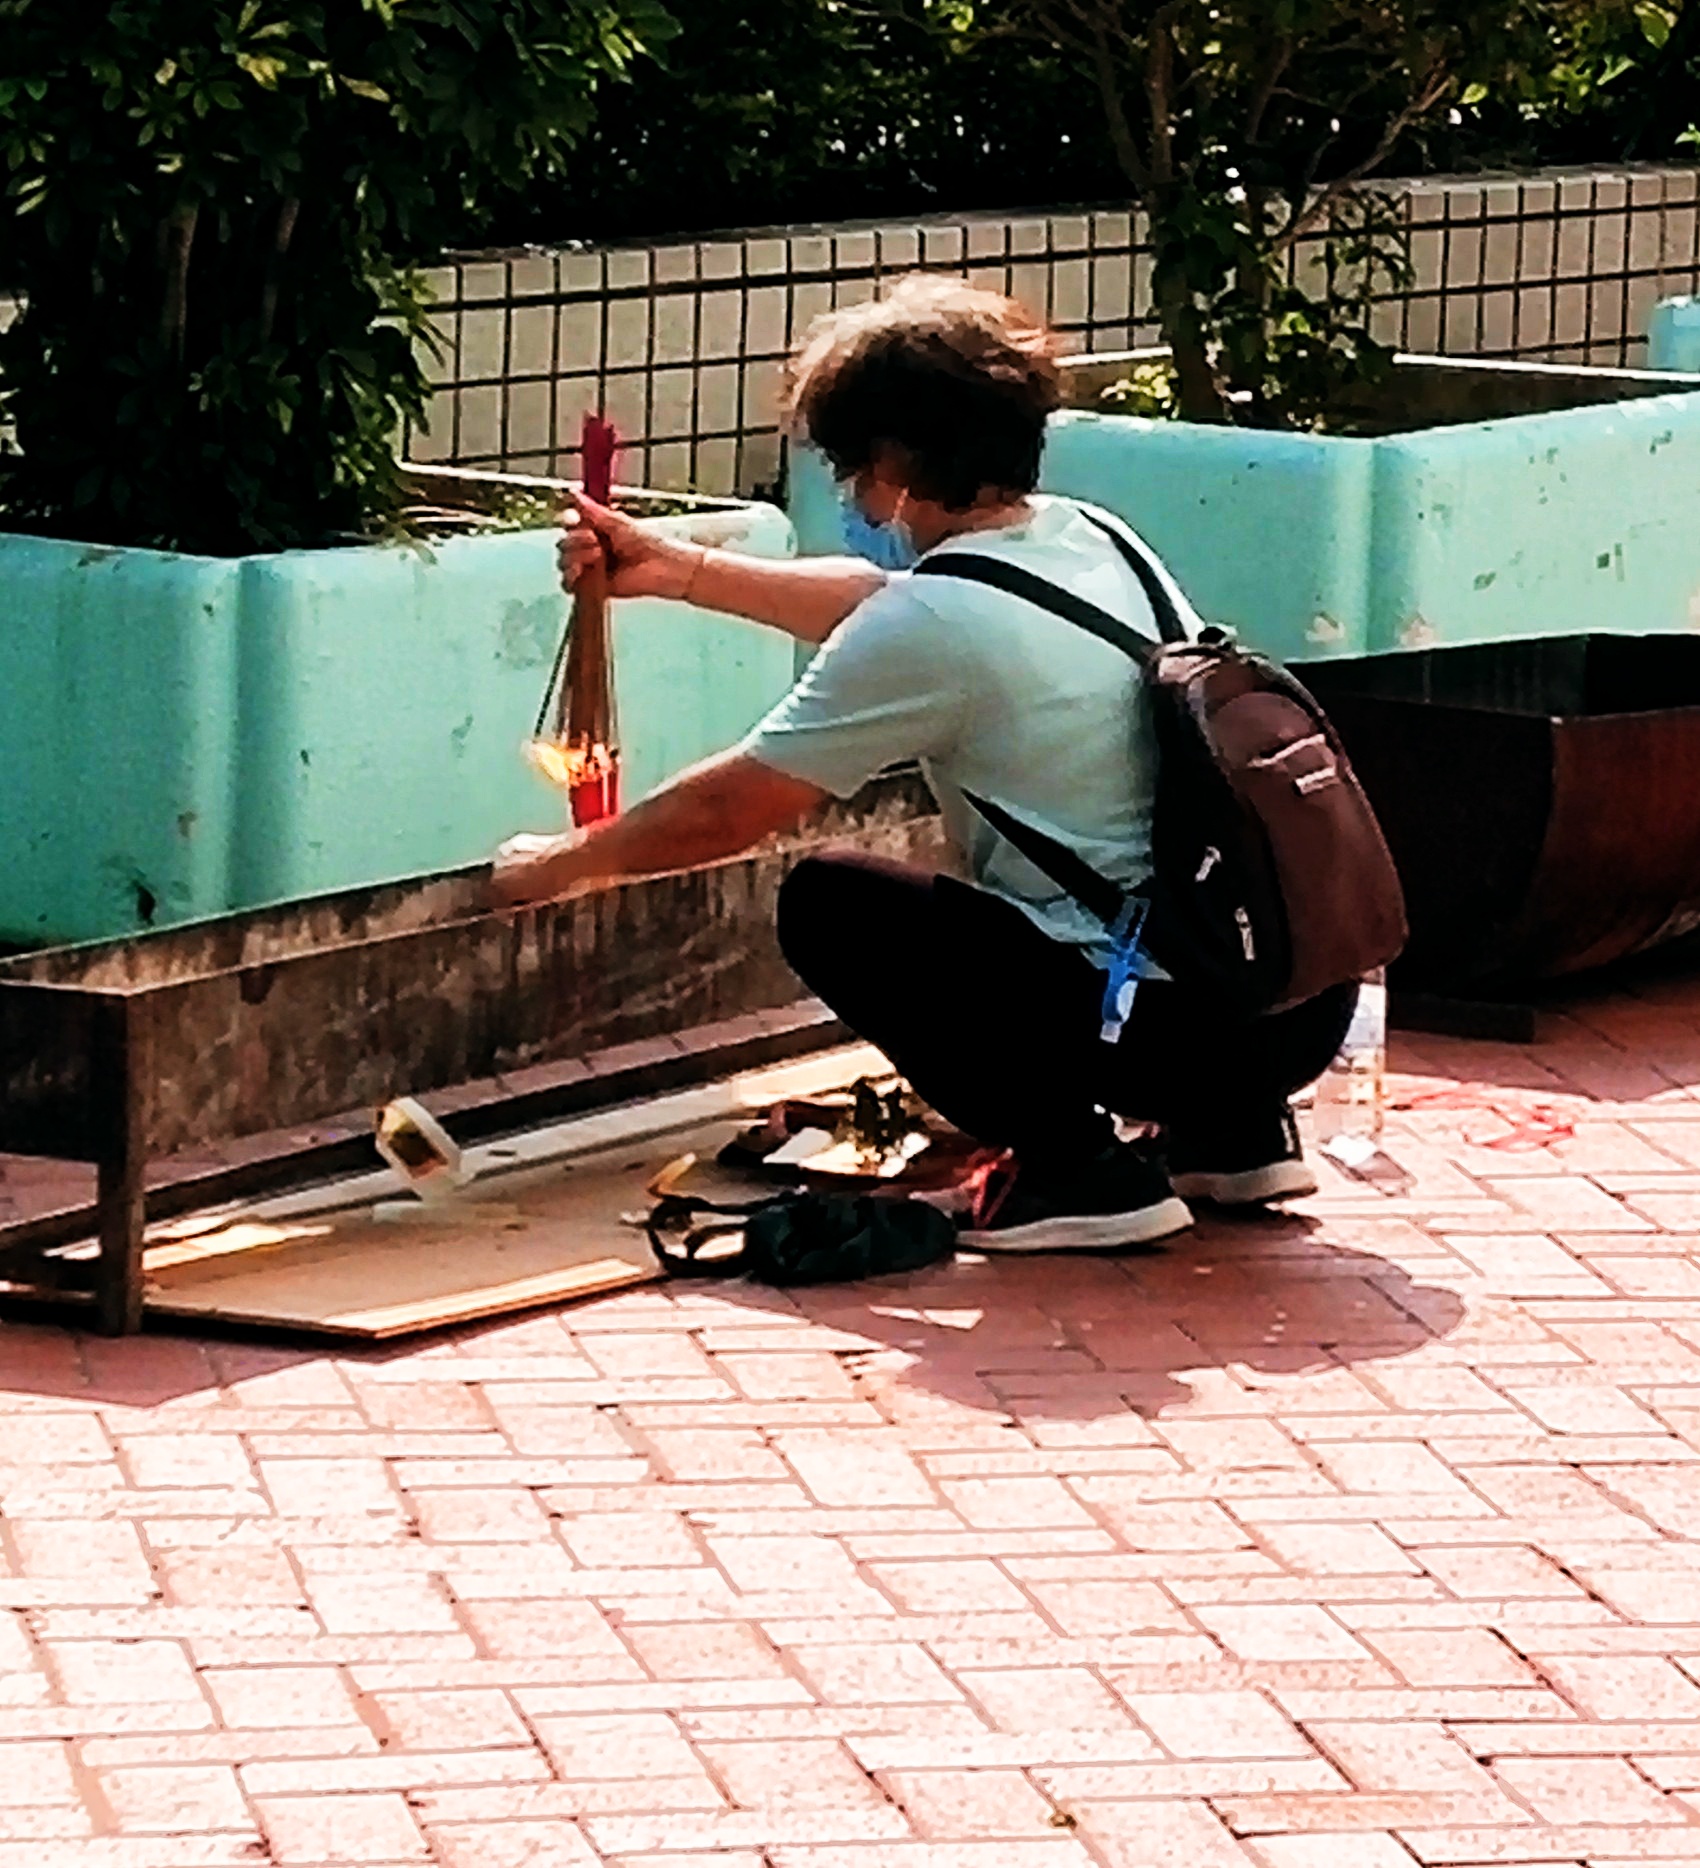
{"x": 1351, "y": 1098}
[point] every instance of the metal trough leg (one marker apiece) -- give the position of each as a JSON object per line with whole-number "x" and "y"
{"x": 120, "y": 1079}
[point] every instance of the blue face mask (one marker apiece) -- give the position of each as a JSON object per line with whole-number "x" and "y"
{"x": 890, "y": 546}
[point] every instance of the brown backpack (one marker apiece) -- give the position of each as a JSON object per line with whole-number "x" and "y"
{"x": 1271, "y": 879}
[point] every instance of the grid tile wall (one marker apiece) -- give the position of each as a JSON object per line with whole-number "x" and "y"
{"x": 683, "y": 344}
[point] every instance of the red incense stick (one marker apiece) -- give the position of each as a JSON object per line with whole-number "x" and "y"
{"x": 591, "y": 733}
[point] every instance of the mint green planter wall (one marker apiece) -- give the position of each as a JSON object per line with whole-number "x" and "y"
{"x": 1587, "y": 519}
{"x": 184, "y": 736}
{"x": 1673, "y": 335}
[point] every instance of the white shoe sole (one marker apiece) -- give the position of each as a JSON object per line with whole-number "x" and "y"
{"x": 1095, "y": 1232}
{"x": 1279, "y": 1180}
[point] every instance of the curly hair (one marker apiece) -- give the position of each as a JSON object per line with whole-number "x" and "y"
{"x": 955, "y": 382}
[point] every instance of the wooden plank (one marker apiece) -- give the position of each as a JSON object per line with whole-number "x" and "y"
{"x": 549, "y": 1229}
{"x": 542, "y": 1236}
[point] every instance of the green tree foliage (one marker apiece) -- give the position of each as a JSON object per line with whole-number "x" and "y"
{"x": 813, "y": 110}
{"x": 764, "y": 111}
{"x": 210, "y": 206}
{"x": 1249, "y": 128}
{"x": 1625, "y": 87}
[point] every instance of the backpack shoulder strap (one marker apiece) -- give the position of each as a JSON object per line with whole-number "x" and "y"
{"x": 1000, "y": 574}
{"x": 1076, "y": 877}
{"x": 1143, "y": 563}
{"x": 1014, "y": 580}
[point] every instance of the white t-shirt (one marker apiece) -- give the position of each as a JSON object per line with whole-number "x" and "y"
{"x": 993, "y": 695}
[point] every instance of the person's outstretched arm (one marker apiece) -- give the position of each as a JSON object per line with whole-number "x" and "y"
{"x": 715, "y": 810}
{"x": 805, "y": 597}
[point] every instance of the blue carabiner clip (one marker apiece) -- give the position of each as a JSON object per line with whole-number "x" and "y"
{"x": 1126, "y": 969}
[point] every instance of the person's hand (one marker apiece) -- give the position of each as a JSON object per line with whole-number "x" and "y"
{"x": 530, "y": 868}
{"x": 640, "y": 562}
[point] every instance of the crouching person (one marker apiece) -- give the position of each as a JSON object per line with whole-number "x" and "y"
{"x": 989, "y": 994}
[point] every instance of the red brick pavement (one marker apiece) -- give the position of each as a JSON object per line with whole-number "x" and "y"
{"x": 1363, "y": 1537}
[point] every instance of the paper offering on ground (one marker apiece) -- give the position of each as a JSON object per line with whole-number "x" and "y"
{"x": 813, "y": 1151}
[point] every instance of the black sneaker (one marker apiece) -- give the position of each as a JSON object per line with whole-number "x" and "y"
{"x": 1122, "y": 1197}
{"x": 1247, "y": 1164}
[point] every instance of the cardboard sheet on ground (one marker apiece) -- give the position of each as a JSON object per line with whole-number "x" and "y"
{"x": 542, "y": 1221}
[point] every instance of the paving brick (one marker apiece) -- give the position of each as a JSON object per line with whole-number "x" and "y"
{"x": 123, "y": 1673}
{"x": 952, "y": 1805}
{"x": 381, "y": 1604}
{"x": 546, "y": 1844}
{"x": 37, "y": 1773}
{"x": 187, "y": 1459}
{"x": 1508, "y": 1572}
{"x": 78, "y": 1561}
{"x": 1397, "y": 1468}
{"x": 1586, "y": 1790}
{"x": 1360, "y": 1849}
{"x": 714, "y": 1453}
{"x": 855, "y": 1468}
{"x": 948, "y": 1585}
{"x": 280, "y": 1697}
{"x": 1301, "y": 1632}
{"x": 1088, "y": 1607}
{"x": 699, "y": 1651}
{"x": 1409, "y": 1756}
{"x": 175, "y": 1799}
{"x": 790, "y": 1775}
{"x": 302, "y": 1487}
{"x": 1014, "y": 1504}
{"x": 787, "y": 1377}
{"x": 232, "y": 1579}
{"x": 892, "y": 1673}
{"x": 1649, "y": 1595}
{"x": 471, "y": 1718}
{"x": 1627, "y": 1686}
{"x": 1230, "y": 1445}
{"x": 1060, "y": 1853}
{"x": 807, "y": 1564}
{"x": 376, "y": 1827}
{"x": 614, "y": 1745}
{"x": 532, "y": 1630}
{"x": 1444, "y": 1657}
{"x": 1336, "y": 1550}
{"x": 632, "y": 1539}
{"x": 1218, "y": 1725}
{"x": 1041, "y": 1699}
{"x": 469, "y": 1515}
{"x": 1160, "y": 1835}
{"x": 1143, "y": 1523}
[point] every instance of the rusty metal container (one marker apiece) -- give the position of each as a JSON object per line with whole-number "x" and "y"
{"x": 1542, "y": 799}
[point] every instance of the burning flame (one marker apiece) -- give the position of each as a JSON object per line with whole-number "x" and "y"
{"x": 570, "y": 766}
{"x": 588, "y": 774}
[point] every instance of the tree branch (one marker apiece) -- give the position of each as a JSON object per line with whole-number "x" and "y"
{"x": 1160, "y": 91}
{"x": 289, "y": 211}
{"x": 1435, "y": 88}
{"x": 177, "y": 239}
{"x": 1133, "y": 165}
{"x": 1280, "y": 57}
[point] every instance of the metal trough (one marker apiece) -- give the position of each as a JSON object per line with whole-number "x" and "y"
{"x": 1542, "y": 800}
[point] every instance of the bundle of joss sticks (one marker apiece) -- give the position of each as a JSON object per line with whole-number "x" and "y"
{"x": 577, "y": 740}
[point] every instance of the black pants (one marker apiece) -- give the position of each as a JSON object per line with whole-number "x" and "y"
{"x": 996, "y": 1025}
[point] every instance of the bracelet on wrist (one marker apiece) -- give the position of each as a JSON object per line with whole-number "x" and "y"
{"x": 696, "y": 572}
